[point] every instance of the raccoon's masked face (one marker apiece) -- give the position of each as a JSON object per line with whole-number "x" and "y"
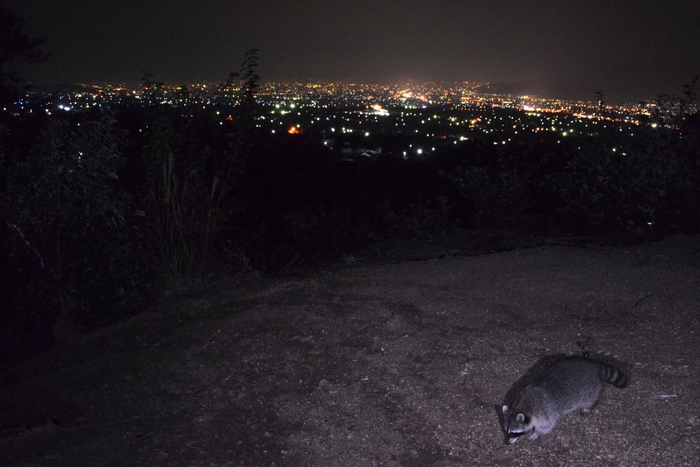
{"x": 516, "y": 425}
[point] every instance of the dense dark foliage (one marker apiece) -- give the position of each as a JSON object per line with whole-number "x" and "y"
{"x": 104, "y": 211}
{"x": 16, "y": 47}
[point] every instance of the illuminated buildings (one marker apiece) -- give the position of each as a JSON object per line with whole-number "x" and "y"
{"x": 405, "y": 119}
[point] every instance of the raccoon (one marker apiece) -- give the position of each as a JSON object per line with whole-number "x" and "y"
{"x": 570, "y": 384}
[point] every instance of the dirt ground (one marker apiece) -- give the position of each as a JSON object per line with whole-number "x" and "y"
{"x": 401, "y": 363}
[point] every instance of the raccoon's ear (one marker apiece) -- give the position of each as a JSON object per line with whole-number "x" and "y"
{"x": 505, "y": 409}
{"x": 520, "y": 418}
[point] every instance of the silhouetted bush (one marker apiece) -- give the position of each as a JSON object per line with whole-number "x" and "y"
{"x": 494, "y": 184}
{"x": 644, "y": 185}
{"x": 74, "y": 236}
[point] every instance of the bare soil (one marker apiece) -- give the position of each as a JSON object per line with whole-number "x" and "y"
{"x": 402, "y": 363}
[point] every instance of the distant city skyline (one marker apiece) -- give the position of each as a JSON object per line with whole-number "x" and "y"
{"x": 562, "y": 49}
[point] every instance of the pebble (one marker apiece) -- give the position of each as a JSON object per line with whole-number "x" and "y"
{"x": 565, "y": 441}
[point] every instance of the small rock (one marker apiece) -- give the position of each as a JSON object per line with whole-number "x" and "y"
{"x": 324, "y": 383}
{"x": 565, "y": 441}
{"x": 501, "y": 457}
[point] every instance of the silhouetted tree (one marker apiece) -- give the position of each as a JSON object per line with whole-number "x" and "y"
{"x": 15, "y": 47}
{"x": 601, "y": 102}
{"x": 152, "y": 89}
{"x": 690, "y": 96}
{"x": 246, "y": 79}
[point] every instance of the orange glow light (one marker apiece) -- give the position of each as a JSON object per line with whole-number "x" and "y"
{"x": 293, "y": 130}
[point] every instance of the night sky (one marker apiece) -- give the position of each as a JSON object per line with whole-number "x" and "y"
{"x": 556, "y": 48}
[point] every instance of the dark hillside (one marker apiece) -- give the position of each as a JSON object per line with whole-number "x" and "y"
{"x": 105, "y": 211}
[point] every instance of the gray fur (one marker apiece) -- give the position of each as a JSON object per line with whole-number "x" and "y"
{"x": 568, "y": 385}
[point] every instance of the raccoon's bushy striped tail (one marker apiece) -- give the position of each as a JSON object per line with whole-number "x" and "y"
{"x": 612, "y": 375}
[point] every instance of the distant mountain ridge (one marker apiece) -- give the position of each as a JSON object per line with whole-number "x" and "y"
{"x": 643, "y": 81}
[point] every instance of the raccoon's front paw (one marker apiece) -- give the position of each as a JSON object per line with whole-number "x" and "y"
{"x": 533, "y": 437}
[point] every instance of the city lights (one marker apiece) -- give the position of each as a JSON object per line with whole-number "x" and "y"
{"x": 415, "y": 115}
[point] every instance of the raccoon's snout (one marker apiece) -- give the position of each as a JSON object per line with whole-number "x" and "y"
{"x": 513, "y": 437}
